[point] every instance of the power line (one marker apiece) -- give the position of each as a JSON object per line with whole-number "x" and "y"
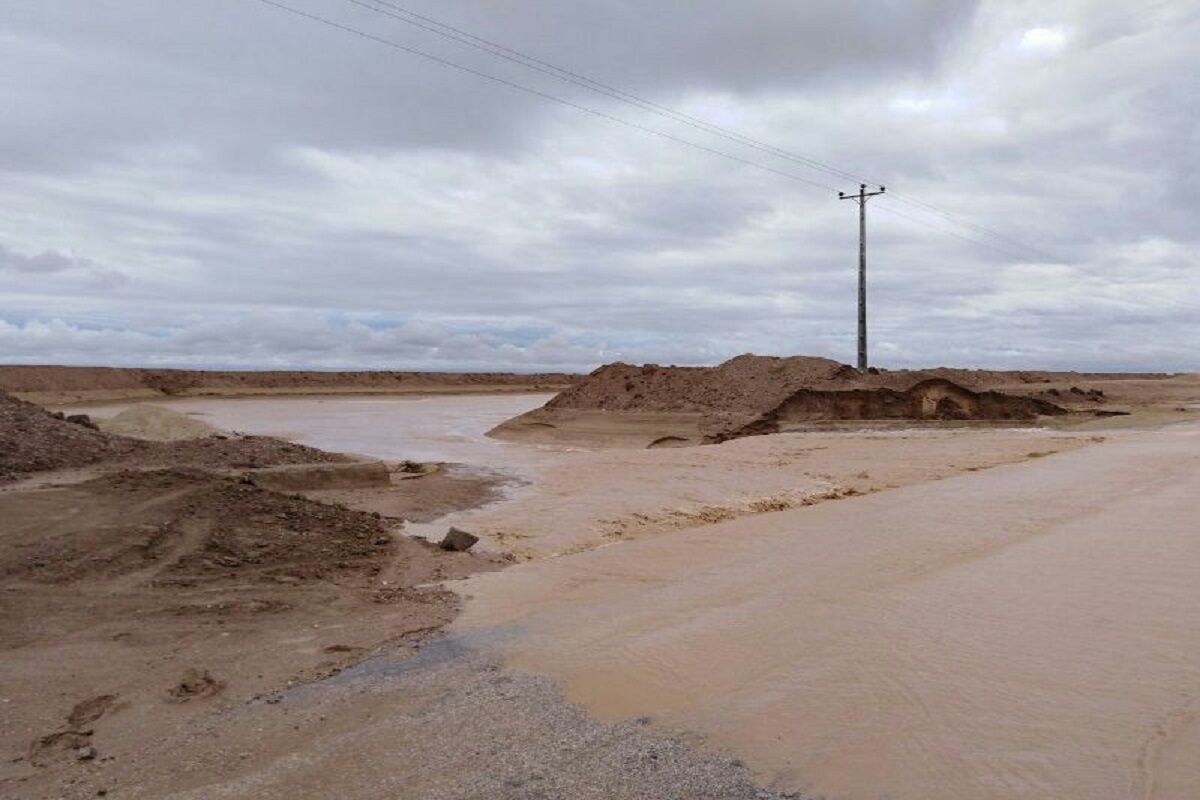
{"x": 966, "y": 223}
{"x": 926, "y": 223}
{"x": 538, "y": 93}
{"x": 546, "y": 68}
{"x": 447, "y": 31}
{"x": 594, "y": 112}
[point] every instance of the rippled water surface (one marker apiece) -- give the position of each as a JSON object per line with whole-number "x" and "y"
{"x": 1031, "y": 631}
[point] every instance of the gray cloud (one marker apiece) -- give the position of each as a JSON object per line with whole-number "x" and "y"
{"x": 47, "y": 261}
{"x": 252, "y": 189}
{"x": 61, "y": 270}
{"x": 245, "y": 78}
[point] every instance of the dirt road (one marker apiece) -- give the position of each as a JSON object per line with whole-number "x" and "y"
{"x": 1029, "y": 631}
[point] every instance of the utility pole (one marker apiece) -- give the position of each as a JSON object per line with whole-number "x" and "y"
{"x": 861, "y": 199}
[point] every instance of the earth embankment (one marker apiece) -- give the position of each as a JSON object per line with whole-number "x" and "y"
{"x": 652, "y": 405}
{"x": 59, "y": 385}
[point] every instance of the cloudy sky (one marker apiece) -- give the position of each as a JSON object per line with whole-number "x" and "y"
{"x": 224, "y": 183}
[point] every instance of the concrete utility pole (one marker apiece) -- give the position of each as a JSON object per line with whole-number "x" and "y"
{"x": 861, "y": 199}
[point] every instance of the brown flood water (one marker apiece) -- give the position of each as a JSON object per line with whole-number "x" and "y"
{"x": 1031, "y": 631}
{"x": 427, "y": 428}
{"x": 1028, "y": 631}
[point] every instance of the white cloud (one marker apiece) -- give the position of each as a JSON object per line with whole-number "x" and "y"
{"x": 1044, "y": 40}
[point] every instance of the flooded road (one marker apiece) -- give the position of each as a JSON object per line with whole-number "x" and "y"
{"x": 967, "y": 614}
{"x": 568, "y": 499}
{"x": 1032, "y": 631}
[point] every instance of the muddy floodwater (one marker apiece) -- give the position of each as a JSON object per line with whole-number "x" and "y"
{"x": 427, "y": 428}
{"x": 914, "y": 615}
{"x": 1029, "y": 631}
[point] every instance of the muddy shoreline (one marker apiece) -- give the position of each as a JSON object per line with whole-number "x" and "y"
{"x": 142, "y": 579}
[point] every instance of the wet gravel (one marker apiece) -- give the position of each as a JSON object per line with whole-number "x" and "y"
{"x": 521, "y": 741}
{"x": 447, "y": 724}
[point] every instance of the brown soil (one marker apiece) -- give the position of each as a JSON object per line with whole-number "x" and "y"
{"x": 146, "y": 585}
{"x": 240, "y": 452}
{"x": 194, "y": 685}
{"x": 743, "y": 384}
{"x": 34, "y": 440}
{"x": 760, "y": 394}
{"x": 54, "y": 385}
{"x": 932, "y": 399}
{"x": 137, "y": 603}
{"x": 189, "y": 528}
{"x": 752, "y": 384}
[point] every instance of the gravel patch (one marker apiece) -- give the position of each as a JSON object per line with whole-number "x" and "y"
{"x": 447, "y": 724}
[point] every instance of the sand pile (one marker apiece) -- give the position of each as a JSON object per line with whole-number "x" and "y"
{"x": 205, "y": 528}
{"x": 32, "y": 439}
{"x": 750, "y": 383}
{"x": 155, "y": 423}
{"x": 187, "y": 531}
{"x": 743, "y": 384}
{"x": 759, "y": 394}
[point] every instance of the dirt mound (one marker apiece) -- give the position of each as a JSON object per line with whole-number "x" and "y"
{"x": 186, "y": 527}
{"x": 32, "y": 439}
{"x": 743, "y": 384}
{"x": 180, "y": 528}
{"x": 155, "y": 423}
{"x": 177, "y": 589}
{"x": 934, "y": 399}
{"x": 755, "y": 384}
{"x": 760, "y": 394}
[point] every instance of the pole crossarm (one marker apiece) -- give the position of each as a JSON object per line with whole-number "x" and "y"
{"x": 862, "y": 194}
{"x": 861, "y": 198}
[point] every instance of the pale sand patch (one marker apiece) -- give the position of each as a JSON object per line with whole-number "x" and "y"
{"x": 155, "y": 423}
{"x": 1023, "y": 632}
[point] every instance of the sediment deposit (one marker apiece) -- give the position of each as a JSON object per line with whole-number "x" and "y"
{"x": 652, "y": 405}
